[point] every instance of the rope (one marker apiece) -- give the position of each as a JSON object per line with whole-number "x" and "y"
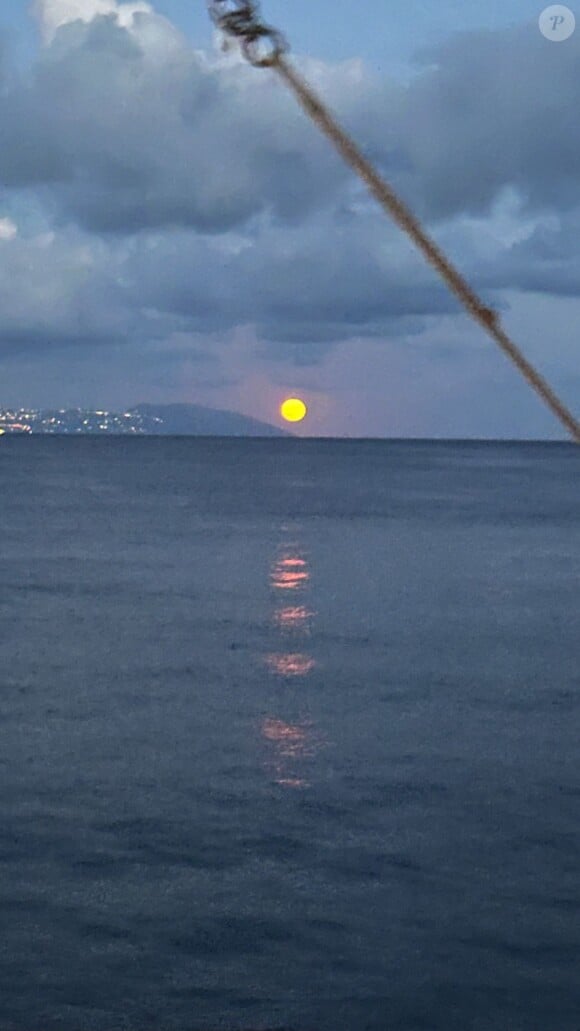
{"x": 256, "y": 37}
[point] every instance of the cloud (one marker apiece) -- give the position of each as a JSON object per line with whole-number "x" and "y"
{"x": 129, "y": 129}
{"x": 52, "y": 14}
{"x": 8, "y": 229}
{"x": 301, "y": 289}
{"x": 547, "y": 261}
{"x": 491, "y": 110}
{"x": 59, "y": 291}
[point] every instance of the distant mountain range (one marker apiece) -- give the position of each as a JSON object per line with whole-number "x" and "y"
{"x": 175, "y": 420}
{"x": 198, "y": 421}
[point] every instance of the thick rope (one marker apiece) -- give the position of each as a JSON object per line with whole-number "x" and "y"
{"x": 251, "y": 30}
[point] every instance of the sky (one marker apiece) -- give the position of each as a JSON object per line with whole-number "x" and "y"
{"x": 174, "y": 229}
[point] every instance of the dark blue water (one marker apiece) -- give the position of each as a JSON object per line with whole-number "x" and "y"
{"x": 289, "y": 735}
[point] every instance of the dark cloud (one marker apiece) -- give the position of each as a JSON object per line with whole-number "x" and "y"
{"x": 303, "y": 289}
{"x": 490, "y": 110}
{"x": 58, "y": 289}
{"x": 548, "y": 261}
{"x": 130, "y": 137}
{"x": 132, "y": 130}
{"x": 304, "y": 285}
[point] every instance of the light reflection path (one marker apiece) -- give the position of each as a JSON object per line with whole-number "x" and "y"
{"x": 290, "y": 743}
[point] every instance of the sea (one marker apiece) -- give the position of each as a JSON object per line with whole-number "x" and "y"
{"x": 289, "y": 735}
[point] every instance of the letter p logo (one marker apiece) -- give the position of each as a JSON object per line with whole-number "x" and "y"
{"x": 557, "y": 23}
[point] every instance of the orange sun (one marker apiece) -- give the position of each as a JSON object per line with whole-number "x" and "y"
{"x": 293, "y": 409}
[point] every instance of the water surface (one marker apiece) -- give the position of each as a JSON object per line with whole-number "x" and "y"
{"x": 289, "y": 734}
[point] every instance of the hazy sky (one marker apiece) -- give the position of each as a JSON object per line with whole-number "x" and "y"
{"x": 172, "y": 228}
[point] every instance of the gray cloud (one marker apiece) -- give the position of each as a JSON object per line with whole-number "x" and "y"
{"x": 321, "y": 281}
{"x": 57, "y": 289}
{"x": 129, "y": 134}
{"x": 548, "y": 261}
{"x": 131, "y": 129}
{"x": 303, "y": 288}
{"x": 490, "y": 110}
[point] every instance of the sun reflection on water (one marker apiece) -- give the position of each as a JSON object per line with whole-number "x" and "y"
{"x": 291, "y": 741}
{"x": 290, "y": 664}
{"x": 289, "y": 573}
{"x": 293, "y": 617}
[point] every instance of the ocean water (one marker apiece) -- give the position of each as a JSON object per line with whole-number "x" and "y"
{"x": 289, "y": 735}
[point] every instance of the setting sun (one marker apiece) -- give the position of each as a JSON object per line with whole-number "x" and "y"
{"x": 293, "y": 409}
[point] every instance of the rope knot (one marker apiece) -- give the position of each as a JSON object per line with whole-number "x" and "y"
{"x": 261, "y": 45}
{"x": 488, "y": 316}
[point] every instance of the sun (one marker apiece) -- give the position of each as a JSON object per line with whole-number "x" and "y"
{"x": 293, "y": 409}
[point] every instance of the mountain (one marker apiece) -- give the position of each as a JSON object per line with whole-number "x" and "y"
{"x": 198, "y": 421}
